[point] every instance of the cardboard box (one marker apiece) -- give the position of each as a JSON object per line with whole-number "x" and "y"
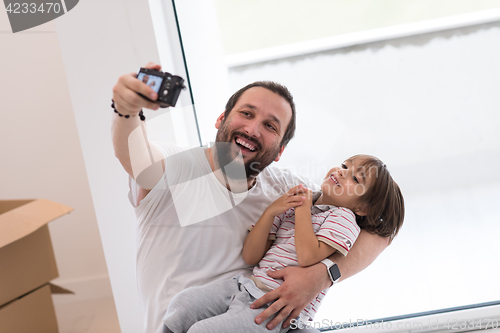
{"x": 27, "y": 261}
{"x": 33, "y": 312}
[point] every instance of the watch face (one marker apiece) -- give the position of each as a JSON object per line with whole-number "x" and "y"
{"x": 334, "y": 272}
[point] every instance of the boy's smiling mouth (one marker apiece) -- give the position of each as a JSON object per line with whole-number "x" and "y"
{"x": 335, "y": 180}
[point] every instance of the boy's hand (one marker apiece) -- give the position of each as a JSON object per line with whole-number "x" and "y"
{"x": 293, "y": 198}
{"x": 307, "y": 194}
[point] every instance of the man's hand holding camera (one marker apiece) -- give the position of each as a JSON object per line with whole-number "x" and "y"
{"x": 126, "y": 93}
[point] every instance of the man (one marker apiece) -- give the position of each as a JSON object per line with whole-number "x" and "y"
{"x": 194, "y": 207}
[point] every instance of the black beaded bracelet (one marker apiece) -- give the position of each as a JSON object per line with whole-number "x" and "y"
{"x": 141, "y": 114}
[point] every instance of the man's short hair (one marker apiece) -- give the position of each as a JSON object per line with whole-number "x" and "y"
{"x": 275, "y": 88}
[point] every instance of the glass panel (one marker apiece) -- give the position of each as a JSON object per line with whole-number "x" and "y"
{"x": 183, "y": 115}
{"x": 251, "y": 25}
{"x": 426, "y": 105}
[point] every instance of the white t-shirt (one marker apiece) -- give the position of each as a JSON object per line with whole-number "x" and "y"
{"x": 191, "y": 229}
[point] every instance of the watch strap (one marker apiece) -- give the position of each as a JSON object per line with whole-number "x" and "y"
{"x": 333, "y": 270}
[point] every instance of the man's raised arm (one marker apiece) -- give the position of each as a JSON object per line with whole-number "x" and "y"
{"x": 132, "y": 148}
{"x": 294, "y": 294}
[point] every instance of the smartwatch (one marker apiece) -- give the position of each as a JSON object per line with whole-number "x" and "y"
{"x": 333, "y": 270}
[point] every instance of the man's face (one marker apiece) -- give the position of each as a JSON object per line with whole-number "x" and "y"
{"x": 255, "y": 126}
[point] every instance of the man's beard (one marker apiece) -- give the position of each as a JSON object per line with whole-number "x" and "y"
{"x": 253, "y": 166}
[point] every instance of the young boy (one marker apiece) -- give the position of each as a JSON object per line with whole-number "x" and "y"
{"x": 293, "y": 231}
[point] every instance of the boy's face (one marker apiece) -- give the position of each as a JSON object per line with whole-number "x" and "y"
{"x": 344, "y": 185}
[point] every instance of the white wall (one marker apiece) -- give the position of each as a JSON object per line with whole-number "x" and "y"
{"x": 121, "y": 38}
{"x": 100, "y": 41}
{"x": 428, "y": 106}
{"x": 56, "y": 93}
{"x": 59, "y": 135}
{"x": 41, "y": 156}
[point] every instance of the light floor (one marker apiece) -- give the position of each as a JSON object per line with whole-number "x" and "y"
{"x": 99, "y": 316}
{"x": 92, "y": 316}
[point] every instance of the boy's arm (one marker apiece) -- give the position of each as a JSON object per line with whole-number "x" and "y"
{"x": 294, "y": 295}
{"x": 257, "y": 243}
{"x": 309, "y": 249}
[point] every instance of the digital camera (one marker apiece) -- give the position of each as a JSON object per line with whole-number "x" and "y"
{"x": 167, "y": 86}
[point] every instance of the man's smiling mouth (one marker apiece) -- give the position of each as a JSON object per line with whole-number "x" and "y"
{"x": 244, "y": 143}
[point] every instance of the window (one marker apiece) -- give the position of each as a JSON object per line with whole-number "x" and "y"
{"x": 423, "y": 101}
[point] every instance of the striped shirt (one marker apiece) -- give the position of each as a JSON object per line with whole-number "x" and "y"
{"x": 335, "y": 226}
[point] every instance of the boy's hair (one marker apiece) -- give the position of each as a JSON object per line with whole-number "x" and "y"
{"x": 384, "y": 199}
{"x": 275, "y": 88}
